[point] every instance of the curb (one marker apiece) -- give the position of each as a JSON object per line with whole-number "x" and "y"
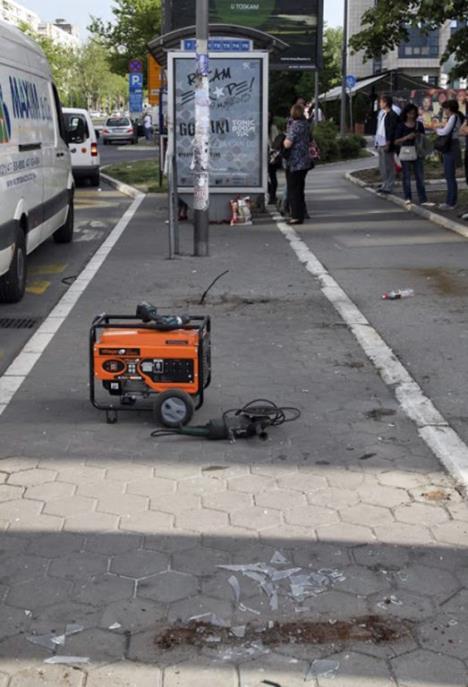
{"x": 126, "y": 189}
{"x": 433, "y": 217}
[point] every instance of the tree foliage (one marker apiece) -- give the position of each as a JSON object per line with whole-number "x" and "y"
{"x": 126, "y": 37}
{"x": 83, "y": 77}
{"x": 387, "y": 25}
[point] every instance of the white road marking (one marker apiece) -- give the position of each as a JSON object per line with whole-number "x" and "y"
{"x": 432, "y": 427}
{"x": 17, "y": 372}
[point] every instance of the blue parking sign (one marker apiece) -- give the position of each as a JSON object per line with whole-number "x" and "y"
{"x": 135, "y": 82}
{"x": 351, "y": 81}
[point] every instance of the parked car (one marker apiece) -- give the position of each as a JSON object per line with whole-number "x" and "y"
{"x": 82, "y": 142}
{"x": 36, "y": 181}
{"x": 119, "y": 129}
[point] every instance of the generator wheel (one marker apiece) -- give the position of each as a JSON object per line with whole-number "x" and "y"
{"x": 173, "y": 408}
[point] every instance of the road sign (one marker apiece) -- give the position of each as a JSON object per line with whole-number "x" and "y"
{"x": 351, "y": 81}
{"x": 135, "y": 82}
{"x": 135, "y": 66}
{"x": 135, "y": 101}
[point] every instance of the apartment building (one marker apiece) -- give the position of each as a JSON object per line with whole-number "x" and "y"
{"x": 60, "y": 31}
{"x": 419, "y": 57}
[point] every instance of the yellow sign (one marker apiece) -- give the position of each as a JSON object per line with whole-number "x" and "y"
{"x": 155, "y": 77}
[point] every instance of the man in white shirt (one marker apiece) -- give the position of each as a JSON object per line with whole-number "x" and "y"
{"x": 387, "y": 122}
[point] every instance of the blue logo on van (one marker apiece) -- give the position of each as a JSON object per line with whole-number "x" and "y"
{"x": 26, "y": 102}
{"x": 5, "y": 124}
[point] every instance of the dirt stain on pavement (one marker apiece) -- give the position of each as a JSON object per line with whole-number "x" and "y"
{"x": 445, "y": 283}
{"x": 371, "y": 628}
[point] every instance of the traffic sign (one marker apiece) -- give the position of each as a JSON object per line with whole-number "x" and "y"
{"x": 351, "y": 81}
{"x": 135, "y": 101}
{"x": 135, "y": 66}
{"x": 135, "y": 82}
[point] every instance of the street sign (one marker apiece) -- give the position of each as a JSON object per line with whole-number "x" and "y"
{"x": 135, "y": 101}
{"x": 220, "y": 45}
{"x": 135, "y": 66}
{"x": 135, "y": 82}
{"x": 351, "y": 81}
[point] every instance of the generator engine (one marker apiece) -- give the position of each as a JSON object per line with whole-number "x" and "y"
{"x": 161, "y": 359}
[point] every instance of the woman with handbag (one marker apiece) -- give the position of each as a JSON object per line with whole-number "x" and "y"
{"x": 448, "y": 143}
{"x": 409, "y": 137}
{"x": 298, "y": 162}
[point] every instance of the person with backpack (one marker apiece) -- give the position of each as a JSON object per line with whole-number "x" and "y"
{"x": 448, "y": 144}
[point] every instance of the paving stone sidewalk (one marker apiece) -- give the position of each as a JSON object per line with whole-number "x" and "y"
{"x": 351, "y": 537}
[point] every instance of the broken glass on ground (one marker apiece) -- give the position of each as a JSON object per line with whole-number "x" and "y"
{"x": 325, "y": 668}
{"x": 51, "y": 640}
{"x": 67, "y": 660}
{"x": 276, "y": 582}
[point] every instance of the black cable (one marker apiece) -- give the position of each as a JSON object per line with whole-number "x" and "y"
{"x": 215, "y": 281}
{"x": 252, "y": 419}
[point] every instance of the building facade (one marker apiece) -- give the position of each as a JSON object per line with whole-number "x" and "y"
{"x": 60, "y": 31}
{"x": 419, "y": 57}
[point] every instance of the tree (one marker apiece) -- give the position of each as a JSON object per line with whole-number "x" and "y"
{"x": 62, "y": 62}
{"x": 387, "y": 25}
{"x": 136, "y": 23}
{"x": 96, "y": 83}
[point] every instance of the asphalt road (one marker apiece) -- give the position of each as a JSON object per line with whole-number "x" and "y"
{"x": 96, "y": 213}
{"x": 112, "y": 154}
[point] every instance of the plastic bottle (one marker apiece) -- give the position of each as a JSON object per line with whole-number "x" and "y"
{"x": 396, "y": 295}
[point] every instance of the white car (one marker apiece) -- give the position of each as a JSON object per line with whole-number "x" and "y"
{"x": 36, "y": 181}
{"x": 82, "y": 142}
{"x": 120, "y": 129}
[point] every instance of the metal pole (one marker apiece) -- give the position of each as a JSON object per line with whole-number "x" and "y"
{"x": 344, "y": 69}
{"x": 201, "y": 152}
{"x": 316, "y": 96}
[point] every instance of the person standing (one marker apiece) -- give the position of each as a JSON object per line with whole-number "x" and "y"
{"x": 274, "y": 159}
{"x": 387, "y": 123}
{"x": 407, "y": 133}
{"x": 296, "y": 143}
{"x": 451, "y": 151}
{"x": 464, "y": 132}
{"x": 148, "y": 126}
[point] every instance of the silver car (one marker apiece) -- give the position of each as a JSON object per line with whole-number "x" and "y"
{"x": 119, "y": 129}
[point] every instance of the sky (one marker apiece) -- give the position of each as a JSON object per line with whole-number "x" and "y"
{"x": 79, "y": 12}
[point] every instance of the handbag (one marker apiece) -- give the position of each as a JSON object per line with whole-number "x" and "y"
{"x": 443, "y": 144}
{"x": 408, "y": 154}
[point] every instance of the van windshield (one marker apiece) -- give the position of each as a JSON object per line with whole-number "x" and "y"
{"x": 118, "y": 121}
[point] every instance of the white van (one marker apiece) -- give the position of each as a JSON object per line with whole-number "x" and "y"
{"x": 36, "y": 181}
{"x": 82, "y": 142}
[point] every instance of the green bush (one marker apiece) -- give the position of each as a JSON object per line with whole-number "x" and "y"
{"x": 326, "y": 135}
{"x": 349, "y": 147}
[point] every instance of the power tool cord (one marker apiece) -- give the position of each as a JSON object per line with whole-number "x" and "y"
{"x": 253, "y": 419}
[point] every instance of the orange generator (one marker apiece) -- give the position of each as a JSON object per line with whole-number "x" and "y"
{"x": 154, "y": 361}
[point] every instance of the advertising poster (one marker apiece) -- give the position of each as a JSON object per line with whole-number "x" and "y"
{"x": 236, "y": 123}
{"x": 298, "y": 23}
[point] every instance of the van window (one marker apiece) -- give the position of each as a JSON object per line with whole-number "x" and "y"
{"x": 77, "y": 127}
{"x": 58, "y": 110}
{"x": 118, "y": 121}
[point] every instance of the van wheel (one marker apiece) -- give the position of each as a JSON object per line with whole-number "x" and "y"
{"x": 13, "y": 283}
{"x": 65, "y": 233}
{"x": 95, "y": 178}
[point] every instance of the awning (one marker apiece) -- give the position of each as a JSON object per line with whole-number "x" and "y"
{"x": 391, "y": 81}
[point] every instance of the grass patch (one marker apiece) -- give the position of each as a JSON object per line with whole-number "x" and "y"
{"x": 142, "y": 174}
{"x": 432, "y": 170}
